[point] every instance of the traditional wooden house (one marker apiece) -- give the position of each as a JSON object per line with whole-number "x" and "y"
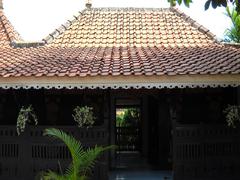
{"x": 159, "y": 60}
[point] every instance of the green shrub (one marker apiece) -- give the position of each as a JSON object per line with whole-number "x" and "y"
{"x": 232, "y": 114}
{"x": 83, "y": 116}
{"x": 25, "y": 115}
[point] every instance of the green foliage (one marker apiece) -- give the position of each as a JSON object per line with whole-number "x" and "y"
{"x": 83, "y": 116}
{"x": 132, "y": 116}
{"x": 233, "y": 33}
{"x": 82, "y": 161}
{"x": 120, "y": 120}
{"x": 174, "y": 2}
{"x": 222, "y": 3}
{"x": 129, "y": 117}
{"x": 213, "y": 3}
{"x": 232, "y": 114}
{"x": 25, "y": 115}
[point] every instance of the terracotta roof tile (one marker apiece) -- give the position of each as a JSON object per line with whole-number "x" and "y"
{"x": 7, "y": 32}
{"x": 92, "y": 61}
{"x": 98, "y": 27}
{"x": 129, "y": 41}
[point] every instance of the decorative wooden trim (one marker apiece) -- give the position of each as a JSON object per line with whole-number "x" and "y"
{"x": 121, "y": 82}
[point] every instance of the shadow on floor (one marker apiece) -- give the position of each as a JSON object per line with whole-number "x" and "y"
{"x": 131, "y": 166}
{"x": 140, "y": 175}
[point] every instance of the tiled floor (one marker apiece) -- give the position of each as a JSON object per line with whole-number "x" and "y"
{"x": 131, "y": 166}
{"x": 140, "y": 175}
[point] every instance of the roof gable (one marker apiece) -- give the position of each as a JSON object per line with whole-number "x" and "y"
{"x": 120, "y": 48}
{"x": 7, "y": 32}
{"x": 106, "y": 27}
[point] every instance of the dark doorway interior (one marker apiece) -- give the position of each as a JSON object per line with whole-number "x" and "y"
{"x": 142, "y": 135}
{"x": 143, "y": 140}
{"x": 128, "y": 129}
{"x": 129, "y": 137}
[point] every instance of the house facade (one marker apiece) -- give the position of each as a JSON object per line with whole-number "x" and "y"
{"x": 159, "y": 60}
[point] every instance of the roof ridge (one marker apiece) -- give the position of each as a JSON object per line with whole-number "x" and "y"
{"x": 194, "y": 23}
{"x": 27, "y": 44}
{"x": 231, "y": 44}
{"x": 11, "y": 33}
{"x": 127, "y": 8}
{"x": 63, "y": 27}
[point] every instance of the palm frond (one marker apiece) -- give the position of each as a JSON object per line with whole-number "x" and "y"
{"x": 90, "y": 156}
{"x": 50, "y": 175}
{"x": 82, "y": 161}
{"x": 74, "y": 146}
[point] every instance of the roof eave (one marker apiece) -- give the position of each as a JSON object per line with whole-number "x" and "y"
{"x": 121, "y": 82}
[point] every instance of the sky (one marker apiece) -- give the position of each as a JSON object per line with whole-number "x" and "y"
{"x": 35, "y": 19}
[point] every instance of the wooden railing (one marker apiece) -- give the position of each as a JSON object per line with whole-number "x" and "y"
{"x": 206, "y": 152}
{"x": 23, "y": 157}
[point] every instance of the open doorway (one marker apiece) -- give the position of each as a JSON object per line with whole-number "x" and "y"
{"x": 142, "y": 138}
{"x": 128, "y": 130}
{"x": 128, "y": 137}
{"x": 142, "y": 134}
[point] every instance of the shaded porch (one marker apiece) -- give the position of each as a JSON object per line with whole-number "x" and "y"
{"x": 183, "y": 132}
{"x": 24, "y": 157}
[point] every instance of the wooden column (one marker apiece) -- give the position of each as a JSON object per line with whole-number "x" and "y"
{"x": 164, "y": 130}
{"x": 106, "y": 109}
{"x": 238, "y": 95}
{"x": 173, "y": 118}
{"x": 145, "y": 125}
{"x": 52, "y": 110}
{"x": 111, "y": 127}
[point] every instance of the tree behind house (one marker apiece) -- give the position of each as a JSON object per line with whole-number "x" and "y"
{"x": 233, "y": 33}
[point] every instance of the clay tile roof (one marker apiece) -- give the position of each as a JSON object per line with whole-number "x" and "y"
{"x": 98, "y": 27}
{"x": 123, "y": 41}
{"x": 114, "y": 61}
{"x": 7, "y": 32}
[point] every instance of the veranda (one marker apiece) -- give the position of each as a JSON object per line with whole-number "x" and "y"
{"x": 182, "y": 130}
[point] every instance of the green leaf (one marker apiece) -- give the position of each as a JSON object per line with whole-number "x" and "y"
{"x": 224, "y": 3}
{"x": 187, "y": 2}
{"x": 233, "y": 34}
{"x": 207, "y": 4}
{"x": 228, "y": 11}
{"x": 215, "y": 4}
{"x": 82, "y": 161}
{"x": 179, "y": 2}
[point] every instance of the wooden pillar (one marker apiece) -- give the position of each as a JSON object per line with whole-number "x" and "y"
{"x": 145, "y": 125}
{"x": 2, "y": 109}
{"x": 238, "y": 95}
{"x": 173, "y": 118}
{"x": 106, "y": 109}
{"x": 164, "y": 130}
{"x": 52, "y": 110}
{"x": 111, "y": 127}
